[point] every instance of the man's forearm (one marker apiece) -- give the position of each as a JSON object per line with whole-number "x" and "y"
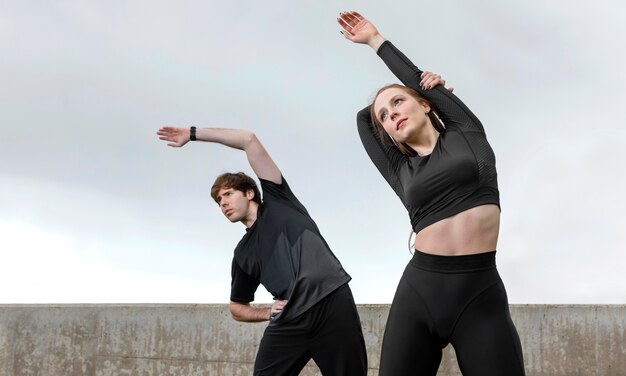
{"x": 260, "y": 161}
{"x": 247, "y": 313}
{"x": 234, "y": 138}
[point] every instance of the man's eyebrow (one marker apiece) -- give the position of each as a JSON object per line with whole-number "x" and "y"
{"x": 219, "y": 196}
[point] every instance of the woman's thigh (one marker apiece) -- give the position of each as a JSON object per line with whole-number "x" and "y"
{"x": 409, "y": 347}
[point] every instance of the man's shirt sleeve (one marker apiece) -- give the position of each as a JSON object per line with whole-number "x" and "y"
{"x": 243, "y": 286}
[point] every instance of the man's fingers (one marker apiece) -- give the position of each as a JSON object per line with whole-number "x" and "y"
{"x": 279, "y": 304}
{"x": 167, "y": 132}
{"x": 166, "y": 129}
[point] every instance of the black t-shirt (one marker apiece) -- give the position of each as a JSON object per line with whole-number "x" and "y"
{"x": 459, "y": 174}
{"x": 284, "y": 251}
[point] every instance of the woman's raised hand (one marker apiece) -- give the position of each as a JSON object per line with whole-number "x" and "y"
{"x": 429, "y": 80}
{"x": 357, "y": 29}
{"x": 177, "y": 137}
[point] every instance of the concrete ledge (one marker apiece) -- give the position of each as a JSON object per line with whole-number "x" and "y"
{"x": 156, "y": 339}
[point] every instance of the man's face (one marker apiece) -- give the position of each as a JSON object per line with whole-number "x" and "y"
{"x": 235, "y": 204}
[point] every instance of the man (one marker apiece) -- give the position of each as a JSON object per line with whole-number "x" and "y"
{"x": 314, "y": 314}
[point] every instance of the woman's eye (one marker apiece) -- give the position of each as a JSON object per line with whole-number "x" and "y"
{"x": 397, "y": 101}
{"x": 383, "y": 117}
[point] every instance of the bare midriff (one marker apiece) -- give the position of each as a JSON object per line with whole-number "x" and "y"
{"x": 472, "y": 231}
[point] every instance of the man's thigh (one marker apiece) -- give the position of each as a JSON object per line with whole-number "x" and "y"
{"x": 284, "y": 350}
{"x": 337, "y": 345}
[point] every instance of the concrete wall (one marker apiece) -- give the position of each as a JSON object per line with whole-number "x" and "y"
{"x": 194, "y": 340}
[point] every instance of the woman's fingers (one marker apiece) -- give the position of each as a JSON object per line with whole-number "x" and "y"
{"x": 355, "y": 27}
{"x": 424, "y": 77}
{"x": 357, "y": 15}
{"x": 349, "y": 19}
{"x": 343, "y": 24}
{"x": 430, "y": 80}
{"x": 352, "y": 20}
{"x": 434, "y": 81}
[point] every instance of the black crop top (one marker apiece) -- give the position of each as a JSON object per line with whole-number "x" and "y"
{"x": 459, "y": 174}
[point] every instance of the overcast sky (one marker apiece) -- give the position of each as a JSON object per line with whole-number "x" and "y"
{"x": 95, "y": 209}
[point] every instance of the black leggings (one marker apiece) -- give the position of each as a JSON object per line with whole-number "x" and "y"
{"x": 451, "y": 299}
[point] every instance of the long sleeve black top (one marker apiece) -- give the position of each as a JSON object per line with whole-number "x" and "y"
{"x": 459, "y": 174}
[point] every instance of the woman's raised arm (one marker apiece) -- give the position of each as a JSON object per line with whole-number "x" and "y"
{"x": 359, "y": 30}
{"x": 452, "y": 111}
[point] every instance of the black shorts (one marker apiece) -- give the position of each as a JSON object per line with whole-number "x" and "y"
{"x": 329, "y": 333}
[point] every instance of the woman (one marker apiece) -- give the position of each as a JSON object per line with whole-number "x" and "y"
{"x": 445, "y": 176}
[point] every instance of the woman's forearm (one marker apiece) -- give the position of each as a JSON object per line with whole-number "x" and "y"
{"x": 375, "y": 42}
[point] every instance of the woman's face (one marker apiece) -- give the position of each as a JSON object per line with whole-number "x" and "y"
{"x": 400, "y": 114}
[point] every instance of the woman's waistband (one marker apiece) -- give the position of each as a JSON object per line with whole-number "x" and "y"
{"x": 454, "y": 264}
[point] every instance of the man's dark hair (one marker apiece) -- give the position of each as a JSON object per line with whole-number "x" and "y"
{"x": 238, "y": 181}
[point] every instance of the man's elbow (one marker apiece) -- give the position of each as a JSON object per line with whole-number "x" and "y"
{"x": 235, "y": 312}
{"x": 236, "y": 318}
{"x": 252, "y": 139}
